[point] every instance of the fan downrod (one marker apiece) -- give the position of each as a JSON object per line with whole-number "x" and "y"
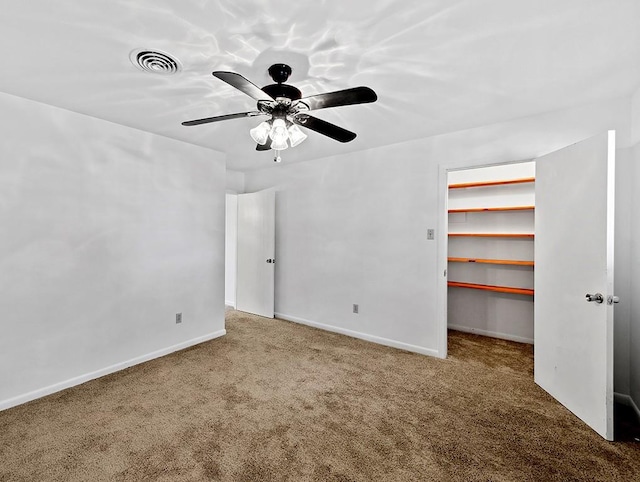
{"x": 280, "y": 73}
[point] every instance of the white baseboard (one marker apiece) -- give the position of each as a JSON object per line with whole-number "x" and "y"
{"x": 628, "y": 401}
{"x": 230, "y": 304}
{"x": 56, "y": 387}
{"x": 493, "y": 334}
{"x": 362, "y": 336}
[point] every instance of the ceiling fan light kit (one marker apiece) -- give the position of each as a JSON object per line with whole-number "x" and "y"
{"x": 288, "y": 110}
{"x": 279, "y": 133}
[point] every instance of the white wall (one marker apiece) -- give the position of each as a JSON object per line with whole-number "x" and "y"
{"x": 634, "y": 375}
{"x": 235, "y": 182}
{"x": 622, "y": 269}
{"x": 107, "y": 233}
{"x": 231, "y": 249}
{"x": 635, "y": 286}
{"x": 352, "y": 228}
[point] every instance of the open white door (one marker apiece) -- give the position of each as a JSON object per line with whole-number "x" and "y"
{"x": 574, "y": 257}
{"x": 256, "y": 253}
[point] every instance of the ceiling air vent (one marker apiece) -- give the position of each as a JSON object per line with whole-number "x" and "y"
{"x": 155, "y": 61}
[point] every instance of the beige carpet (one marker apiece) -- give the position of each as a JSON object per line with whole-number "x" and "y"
{"x": 273, "y": 400}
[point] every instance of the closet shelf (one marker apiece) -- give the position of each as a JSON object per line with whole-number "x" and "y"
{"x": 499, "y": 289}
{"x": 491, "y": 183}
{"x": 492, "y": 235}
{"x": 513, "y": 262}
{"x": 503, "y": 208}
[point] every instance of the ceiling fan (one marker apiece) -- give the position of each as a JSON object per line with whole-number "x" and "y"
{"x": 288, "y": 109}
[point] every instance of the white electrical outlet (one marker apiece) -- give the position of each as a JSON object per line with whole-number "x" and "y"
{"x": 178, "y": 317}
{"x": 355, "y": 308}
{"x": 431, "y": 233}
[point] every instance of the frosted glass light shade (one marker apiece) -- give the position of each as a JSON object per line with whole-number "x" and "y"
{"x": 296, "y": 136}
{"x": 260, "y": 133}
{"x": 279, "y": 144}
{"x": 279, "y": 130}
{"x": 279, "y": 135}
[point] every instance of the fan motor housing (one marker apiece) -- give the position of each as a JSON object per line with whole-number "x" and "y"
{"x": 282, "y": 90}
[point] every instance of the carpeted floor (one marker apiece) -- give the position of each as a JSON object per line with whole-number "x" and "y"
{"x": 273, "y": 400}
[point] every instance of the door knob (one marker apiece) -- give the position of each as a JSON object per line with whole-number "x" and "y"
{"x": 271, "y": 260}
{"x": 612, "y": 299}
{"x": 598, "y": 298}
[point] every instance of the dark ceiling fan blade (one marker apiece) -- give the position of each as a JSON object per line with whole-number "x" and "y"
{"x": 264, "y": 147}
{"x": 324, "y": 127}
{"x": 356, "y": 95}
{"x": 218, "y": 118}
{"x": 246, "y": 86}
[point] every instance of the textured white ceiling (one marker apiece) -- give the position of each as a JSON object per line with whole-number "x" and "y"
{"x": 436, "y": 65}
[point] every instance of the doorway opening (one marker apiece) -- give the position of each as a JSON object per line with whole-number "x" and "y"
{"x": 250, "y": 252}
{"x": 573, "y": 256}
{"x": 490, "y": 252}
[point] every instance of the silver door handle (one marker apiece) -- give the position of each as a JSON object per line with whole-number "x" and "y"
{"x": 612, "y": 299}
{"x": 271, "y": 260}
{"x": 598, "y": 298}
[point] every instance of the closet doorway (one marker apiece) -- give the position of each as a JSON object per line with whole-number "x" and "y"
{"x": 491, "y": 251}
{"x": 572, "y": 236}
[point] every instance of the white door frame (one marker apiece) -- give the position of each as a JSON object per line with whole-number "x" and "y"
{"x": 231, "y": 246}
